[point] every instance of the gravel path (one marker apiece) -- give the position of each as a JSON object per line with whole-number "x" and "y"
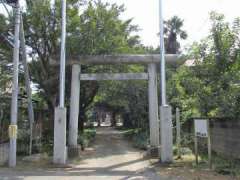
{"x": 111, "y": 158}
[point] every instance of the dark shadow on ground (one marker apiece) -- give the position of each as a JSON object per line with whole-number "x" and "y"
{"x": 80, "y": 172}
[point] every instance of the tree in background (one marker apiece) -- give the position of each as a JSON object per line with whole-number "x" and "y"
{"x": 95, "y": 30}
{"x": 5, "y": 77}
{"x": 5, "y": 54}
{"x": 128, "y": 98}
{"x": 210, "y": 88}
{"x": 173, "y": 32}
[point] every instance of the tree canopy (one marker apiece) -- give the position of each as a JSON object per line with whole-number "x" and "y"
{"x": 173, "y": 32}
{"x": 210, "y": 87}
{"x": 96, "y": 30}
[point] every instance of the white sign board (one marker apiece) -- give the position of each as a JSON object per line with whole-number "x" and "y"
{"x": 201, "y": 127}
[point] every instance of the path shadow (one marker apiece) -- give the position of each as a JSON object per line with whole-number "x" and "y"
{"x": 108, "y": 143}
{"x": 81, "y": 171}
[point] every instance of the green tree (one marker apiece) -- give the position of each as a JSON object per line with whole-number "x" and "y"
{"x": 128, "y": 98}
{"x": 97, "y": 30}
{"x": 5, "y": 54}
{"x": 210, "y": 88}
{"x": 173, "y": 31}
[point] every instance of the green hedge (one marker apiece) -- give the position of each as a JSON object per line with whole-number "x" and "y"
{"x": 85, "y": 138}
{"x": 139, "y": 137}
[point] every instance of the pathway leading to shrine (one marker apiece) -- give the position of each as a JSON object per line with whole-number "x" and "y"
{"x": 110, "y": 158}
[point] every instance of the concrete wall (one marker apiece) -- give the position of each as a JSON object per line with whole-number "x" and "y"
{"x": 4, "y": 150}
{"x": 226, "y": 137}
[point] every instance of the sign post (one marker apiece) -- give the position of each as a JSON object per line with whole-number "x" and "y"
{"x": 202, "y": 130}
{"x": 209, "y": 146}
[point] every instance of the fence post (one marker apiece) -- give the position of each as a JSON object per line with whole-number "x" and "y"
{"x": 209, "y": 146}
{"x": 178, "y": 128}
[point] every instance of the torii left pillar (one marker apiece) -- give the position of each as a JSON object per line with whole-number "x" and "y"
{"x": 154, "y": 123}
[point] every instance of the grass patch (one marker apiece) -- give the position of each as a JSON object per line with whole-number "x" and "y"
{"x": 220, "y": 165}
{"x": 139, "y": 137}
{"x": 87, "y": 137}
{"x": 226, "y": 166}
{"x": 186, "y": 168}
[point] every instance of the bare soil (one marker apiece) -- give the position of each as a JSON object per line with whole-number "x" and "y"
{"x": 184, "y": 169}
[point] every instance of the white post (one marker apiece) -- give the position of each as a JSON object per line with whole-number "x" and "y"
{"x": 62, "y": 57}
{"x": 166, "y": 134}
{"x": 74, "y": 106}
{"x": 165, "y": 110}
{"x": 153, "y": 106}
{"x": 14, "y": 103}
{"x": 162, "y": 56}
{"x": 60, "y": 149}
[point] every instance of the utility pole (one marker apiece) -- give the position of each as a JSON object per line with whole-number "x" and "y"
{"x": 162, "y": 56}
{"x": 165, "y": 110}
{"x": 63, "y": 56}
{"x": 14, "y": 104}
{"x": 27, "y": 81}
{"x": 60, "y": 149}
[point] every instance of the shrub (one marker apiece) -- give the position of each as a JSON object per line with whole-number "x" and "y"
{"x": 85, "y": 138}
{"x": 139, "y": 137}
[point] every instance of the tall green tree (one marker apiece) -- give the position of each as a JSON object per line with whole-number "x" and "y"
{"x": 210, "y": 87}
{"x": 173, "y": 33}
{"x": 97, "y": 29}
{"x": 5, "y": 54}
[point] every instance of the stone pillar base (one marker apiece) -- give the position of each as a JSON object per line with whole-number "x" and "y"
{"x": 74, "y": 151}
{"x": 153, "y": 151}
{"x": 60, "y": 149}
{"x": 166, "y": 134}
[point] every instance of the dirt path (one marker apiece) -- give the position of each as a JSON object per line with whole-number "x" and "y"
{"x": 114, "y": 158}
{"x": 111, "y": 158}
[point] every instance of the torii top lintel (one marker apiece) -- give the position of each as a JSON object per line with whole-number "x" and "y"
{"x": 120, "y": 59}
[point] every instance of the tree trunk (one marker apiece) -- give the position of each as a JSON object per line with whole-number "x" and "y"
{"x": 114, "y": 121}
{"x": 81, "y": 118}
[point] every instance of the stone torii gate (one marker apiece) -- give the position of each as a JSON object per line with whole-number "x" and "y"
{"x": 151, "y": 76}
